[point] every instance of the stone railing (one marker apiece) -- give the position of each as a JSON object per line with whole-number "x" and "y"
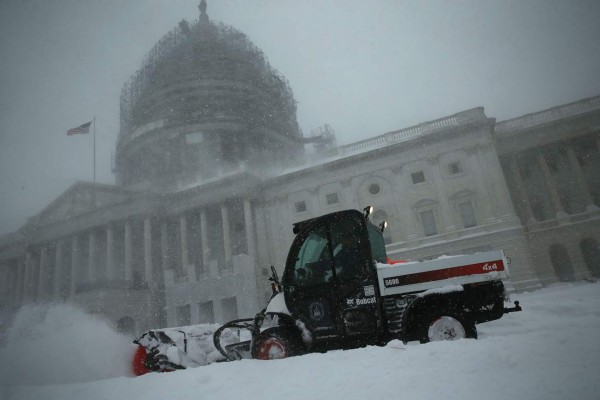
{"x": 551, "y": 114}
{"x": 414, "y": 131}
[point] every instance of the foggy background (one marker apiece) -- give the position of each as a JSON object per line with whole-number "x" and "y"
{"x": 364, "y": 67}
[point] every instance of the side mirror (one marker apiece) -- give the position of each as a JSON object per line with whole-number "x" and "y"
{"x": 275, "y": 284}
{"x": 274, "y": 275}
{"x": 382, "y": 226}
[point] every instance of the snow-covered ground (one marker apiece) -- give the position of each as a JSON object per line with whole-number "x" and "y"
{"x": 551, "y": 350}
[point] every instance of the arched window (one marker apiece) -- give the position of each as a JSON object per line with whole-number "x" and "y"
{"x": 591, "y": 254}
{"x": 426, "y": 213}
{"x": 596, "y": 197}
{"x": 561, "y": 263}
{"x": 566, "y": 201}
{"x": 537, "y": 207}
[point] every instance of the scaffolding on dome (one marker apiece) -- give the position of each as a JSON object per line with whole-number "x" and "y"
{"x": 231, "y": 42}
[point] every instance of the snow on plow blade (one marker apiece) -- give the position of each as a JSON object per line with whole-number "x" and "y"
{"x": 170, "y": 349}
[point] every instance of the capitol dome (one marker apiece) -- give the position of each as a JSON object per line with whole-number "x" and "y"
{"x": 205, "y": 101}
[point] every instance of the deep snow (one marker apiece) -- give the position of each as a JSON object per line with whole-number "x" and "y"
{"x": 551, "y": 350}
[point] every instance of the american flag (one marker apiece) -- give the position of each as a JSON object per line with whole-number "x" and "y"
{"x": 85, "y": 128}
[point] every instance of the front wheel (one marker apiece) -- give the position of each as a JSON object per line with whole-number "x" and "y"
{"x": 447, "y": 327}
{"x": 277, "y": 343}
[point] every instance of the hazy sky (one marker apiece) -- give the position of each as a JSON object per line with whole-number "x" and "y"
{"x": 364, "y": 67}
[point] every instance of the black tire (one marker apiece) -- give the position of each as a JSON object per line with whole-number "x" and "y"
{"x": 277, "y": 343}
{"x": 446, "y": 326}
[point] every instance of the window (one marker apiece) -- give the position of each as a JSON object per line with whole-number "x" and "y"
{"x": 559, "y": 256}
{"x": 194, "y": 138}
{"x": 591, "y": 255}
{"x": 552, "y": 162}
{"x": 418, "y": 177}
{"x": 374, "y": 189}
{"x": 206, "y": 312}
{"x": 229, "y": 308}
{"x": 183, "y": 315}
{"x": 538, "y": 208}
{"x": 347, "y": 254}
{"x": 596, "y": 197}
{"x": 428, "y": 220}
{"x": 332, "y": 198}
{"x": 300, "y": 206}
{"x": 455, "y": 168}
{"x": 313, "y": 262}
{"x": 467, "y": 214}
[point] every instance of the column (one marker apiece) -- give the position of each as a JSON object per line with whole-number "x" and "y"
{"x": 521, "y": 191}
{"x": 128, "y": 252}
{"x": 17, "y": 282}
{"x": 349, "y": 194}
{"x": 148, "y": 250}
{"x": 226, "y": 235}
{"x": 9, "y": 282}
{"x": 501, "y": 200}
{"x": 185, "y": 258}
{"x": 43, "y": 274}
{"x": 58, "y": 270}
{"x": 21, "y": 281}
{"x": 204, "y": 241}
{"x": 283, "y": 227}
{"x": 581, "y": 181}
{"x": 550, "y": 183}
{"x": 110, "y": 253}
{"x": 250, "y": 239}
{"x": 164, "y": 245}
{"x": 406, "y": 218}
{"x": 446, "y": 214}
{"x": 92, "y": 256}
{"x": 5, "y": 281}
{"x": 482, "y": 191}
{"x": 262, "y": 252}
{"x": 75, "y": 265}
{"x": 27, "y": 276}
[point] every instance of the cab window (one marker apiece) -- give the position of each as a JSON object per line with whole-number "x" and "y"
{"x": 347, "y": 249}
{"x": 377, "y": 244}
{"x": 313, "y": 262}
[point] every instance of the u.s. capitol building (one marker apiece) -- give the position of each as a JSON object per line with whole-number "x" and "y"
{"x": 212, "y": 170}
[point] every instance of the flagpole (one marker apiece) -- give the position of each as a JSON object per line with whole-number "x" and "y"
{"x": 94, "y": 149}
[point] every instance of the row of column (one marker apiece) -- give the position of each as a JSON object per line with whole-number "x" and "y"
{"x": 581, "y": 181}
{"x": 204, "y": 243}
{"x": 37, "y": 278}
{"x": 39, "y": 283}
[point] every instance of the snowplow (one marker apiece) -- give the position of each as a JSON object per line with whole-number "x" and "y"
{"x": 339, "y": 290}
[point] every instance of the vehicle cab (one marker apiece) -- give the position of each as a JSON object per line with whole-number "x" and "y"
{"x": 330, "y": 280}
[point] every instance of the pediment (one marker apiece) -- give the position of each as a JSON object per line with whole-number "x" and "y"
{"x": 81, "y": 198}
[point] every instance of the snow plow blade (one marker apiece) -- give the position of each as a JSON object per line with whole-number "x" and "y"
{"x": 241, "y": 349}
{"x": 170, "y": 349}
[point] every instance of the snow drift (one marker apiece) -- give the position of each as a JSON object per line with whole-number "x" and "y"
{"x": 52, "y": 343}
{"x": 549, "y": 351}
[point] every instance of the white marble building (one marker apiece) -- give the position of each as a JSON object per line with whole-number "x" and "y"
{"x": 207, "y": 194}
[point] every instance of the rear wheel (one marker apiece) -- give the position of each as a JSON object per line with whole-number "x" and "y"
{"x": 277, "y": 343}
{"x": 447, "y": 326}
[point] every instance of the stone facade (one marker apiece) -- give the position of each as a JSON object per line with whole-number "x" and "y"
{"x": 460, "y": 184}
{"x": 194, "y": 243}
